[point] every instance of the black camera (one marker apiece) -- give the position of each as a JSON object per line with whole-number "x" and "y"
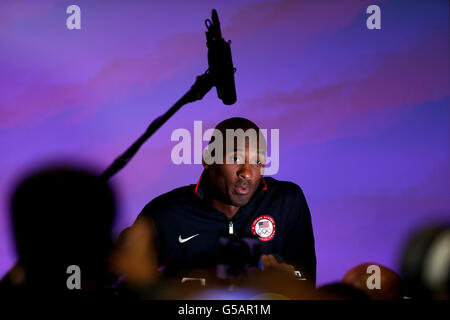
{"x": 237, "y": 256}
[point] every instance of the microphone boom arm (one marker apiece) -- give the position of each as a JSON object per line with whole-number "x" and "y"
{"x": 202, "y": 85}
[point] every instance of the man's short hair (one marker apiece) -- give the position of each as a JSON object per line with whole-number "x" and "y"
{"x": 238, "y": 126}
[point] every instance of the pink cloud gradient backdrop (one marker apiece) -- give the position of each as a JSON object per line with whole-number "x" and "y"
{"x": 363, "y": 114}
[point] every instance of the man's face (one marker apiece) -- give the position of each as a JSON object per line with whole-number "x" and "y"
{"x": 236, "y": 181}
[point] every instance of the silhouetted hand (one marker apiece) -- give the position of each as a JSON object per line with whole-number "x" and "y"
{"x": 268, "y": 261}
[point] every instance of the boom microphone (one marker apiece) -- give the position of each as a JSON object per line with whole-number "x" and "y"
{"x": 219, "y": 74}
{"x": 219, "y": 61}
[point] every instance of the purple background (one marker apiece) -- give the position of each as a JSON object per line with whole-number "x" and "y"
{"x": 363, "y": 114}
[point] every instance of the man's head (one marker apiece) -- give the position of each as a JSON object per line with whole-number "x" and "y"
{"x": 63, "y": 216}
{"x": 239, "y": 151}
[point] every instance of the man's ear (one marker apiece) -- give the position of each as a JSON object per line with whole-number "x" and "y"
{"x": 206, "y": 154}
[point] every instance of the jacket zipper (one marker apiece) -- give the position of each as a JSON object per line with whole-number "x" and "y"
{"x": 230, "y": 227}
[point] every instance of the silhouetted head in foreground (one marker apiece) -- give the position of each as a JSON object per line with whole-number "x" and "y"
{"x": 62, "y": 217}
{"x": 375, "y": 280}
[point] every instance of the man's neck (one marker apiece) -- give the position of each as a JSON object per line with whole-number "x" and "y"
{"x": 227, "y": 209}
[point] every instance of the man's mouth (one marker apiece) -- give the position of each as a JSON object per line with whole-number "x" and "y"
{"x": 241, "y": 188}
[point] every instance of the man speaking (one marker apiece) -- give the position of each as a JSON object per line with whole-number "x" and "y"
{"x": 233, "y": 197}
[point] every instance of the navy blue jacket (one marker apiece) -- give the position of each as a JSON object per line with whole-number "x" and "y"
{"x": 188, "y": 226}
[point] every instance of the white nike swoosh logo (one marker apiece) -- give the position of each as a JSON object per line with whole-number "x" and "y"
{"x": 181, "y": 240}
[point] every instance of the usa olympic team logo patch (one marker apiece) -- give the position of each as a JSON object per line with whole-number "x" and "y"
{"x": 264, "y": 227}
